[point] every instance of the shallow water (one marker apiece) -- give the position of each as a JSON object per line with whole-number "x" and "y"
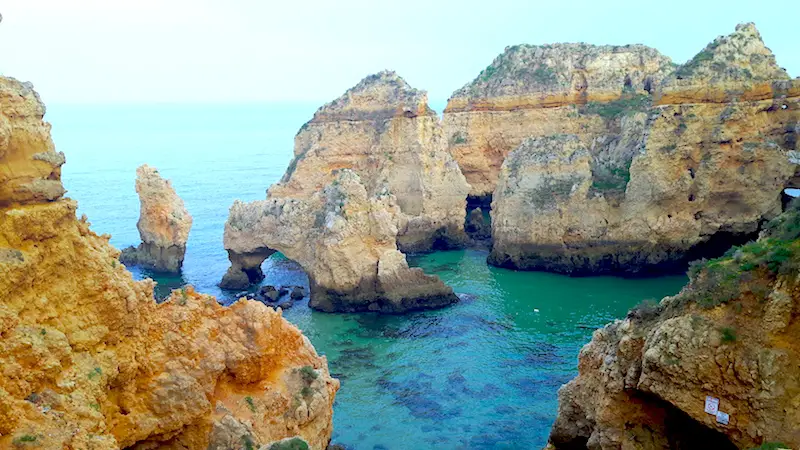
{"x": 480, "y": 374}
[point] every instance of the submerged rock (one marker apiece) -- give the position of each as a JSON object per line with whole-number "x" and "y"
{"x": 637, "y": 184}
{"x": 89, "y": 360}
{"x": 164, "y": 224}
{"x": 345, "y": 241}
{"x": 727, "y": 337}
{"x": 371, "y": 177}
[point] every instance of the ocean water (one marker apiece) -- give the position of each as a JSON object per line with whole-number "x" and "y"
{"x": 481, "y": 374}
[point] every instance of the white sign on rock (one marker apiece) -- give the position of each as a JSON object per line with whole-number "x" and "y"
{"x": 722, "y": 417}
{"x": 712, "y": 405}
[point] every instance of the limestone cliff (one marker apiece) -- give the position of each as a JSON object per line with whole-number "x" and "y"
{"x": 384, "y": 130}
{"x": 371, "y": 178}
{"x": 164, "y": 224}
{"x": 345, "y": 240}
{"x": 730, "y": 335}
{"x": 88, "y": 360}
{"x": 532, "y": 90}
{"x": 660, "y": 182}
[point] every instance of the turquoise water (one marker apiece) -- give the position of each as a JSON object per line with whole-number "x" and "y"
{"x": 481, "y": 374}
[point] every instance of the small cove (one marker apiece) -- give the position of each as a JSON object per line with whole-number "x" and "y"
{"x": 481, "y": 374}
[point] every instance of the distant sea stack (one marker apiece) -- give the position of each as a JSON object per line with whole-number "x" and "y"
{"x": 90, "y": 361}
{"x": 614, "y": 160}
{"x": 712, "y": 367}
{"x": 164, "y": 224}
{"x": 371, "y": 178}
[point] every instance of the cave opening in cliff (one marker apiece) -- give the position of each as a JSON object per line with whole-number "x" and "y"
{"x": 685, "y": 433}
{"x": 478, "y": 220}
{"x": 719, "y": 243}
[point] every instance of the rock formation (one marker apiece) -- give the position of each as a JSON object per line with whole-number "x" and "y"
{"x": 163, "y": 225}
{"x": 535, "y": 90}
{"x": 729, "y": 335}
{"x": 640, "y": 182}
{"x": 344, "y": 239}
{"x": 384, "y": 130}
{"x": 371, "y": 178}
{"x": 88, "y": 360}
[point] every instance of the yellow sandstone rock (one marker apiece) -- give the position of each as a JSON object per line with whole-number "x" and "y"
{"x": 164, "y": 224}
{"x": 88, "y": 360}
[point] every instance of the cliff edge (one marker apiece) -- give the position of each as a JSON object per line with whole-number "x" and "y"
{"x": 89, "y": 360}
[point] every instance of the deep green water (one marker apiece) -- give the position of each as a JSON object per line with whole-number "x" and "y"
{"x": 481, "y": 374}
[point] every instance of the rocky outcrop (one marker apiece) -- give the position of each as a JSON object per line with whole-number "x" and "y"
{"x": 371, "y": 178}
{"x": 533, "y": 90}
{"x": 728, "y": 335}
{"x": 345, "y": 240}
{"x": 660, "y": 183}
{"x": 88, "y": 360}
{"x": 384, "y": 130}
{"x": 164, "y": 224}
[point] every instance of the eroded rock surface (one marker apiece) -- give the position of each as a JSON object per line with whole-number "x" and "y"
{"x": 646, "y": 184}
{"x": 371, "y": 178}
{"x": 344, "y": 239}
{"x": 730, "y": 335}
{"x": 164, "y": 224}
{"x": 88, "y": 360}
{"x": 533, "y": 90}
{"x": 384, "y": 130}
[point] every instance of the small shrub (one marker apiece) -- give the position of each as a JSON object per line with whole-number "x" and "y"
{"x": 247, "y": 443}
{"x": 728, "y": 335}
{"x": 294, "y": 443}
{"x": 250, "y": 403}
{"x": 95, "y": 373}
{"x": 308, "y": 374}
{"x": 646, "y": 310}
{"x": 24, "y": 439}
{"x": 623, "y": 106}
{"x": 306, "y": 392}
{"x": 94, "y": 406}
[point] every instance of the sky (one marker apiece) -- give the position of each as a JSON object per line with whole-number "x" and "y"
{"x": 213, "y": 51}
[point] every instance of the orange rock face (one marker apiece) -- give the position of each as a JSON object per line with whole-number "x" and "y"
{"x": 88, "y": 360}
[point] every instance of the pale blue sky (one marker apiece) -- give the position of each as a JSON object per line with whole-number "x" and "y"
{"x": 120, "y": 51}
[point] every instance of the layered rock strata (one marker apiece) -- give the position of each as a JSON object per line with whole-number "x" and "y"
{"x": 345, "y": 240}
{"x": 727, "y": 336}
{"x": 533, "y": 90}
{"x": 88, "y": 360}
{"x": 164, "y": 224}
{"x": 371, "y": 178}
{"x": 384, "y": 130}
{"x": 645, "y": 185}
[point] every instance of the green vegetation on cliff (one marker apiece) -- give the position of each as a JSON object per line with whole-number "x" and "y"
{"x": 750, "y": 268}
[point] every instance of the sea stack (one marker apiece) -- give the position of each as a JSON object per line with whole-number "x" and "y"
{"x": 371, "y": 178}
{"x": 712, "y": 367}
{"x": 88, "y": 360}
{"x": 164, "y": 224}
{"x": 623, "y": 162}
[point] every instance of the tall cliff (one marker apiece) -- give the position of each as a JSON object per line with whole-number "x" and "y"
{"x": 371, "y": 178}
{"x": 88, "y": 360}
{"x": 728, "y": 338}
{"x": 532, "y": 90}
{"x": 384, "y": 130}
{"x": 164, "y": 224}
{"x": 681, "y": 160}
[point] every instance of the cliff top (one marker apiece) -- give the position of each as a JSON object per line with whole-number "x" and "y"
{"x": 530, "y": 69}
{"x": 378, "y": 96}
{"x": 737, "y": 57}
